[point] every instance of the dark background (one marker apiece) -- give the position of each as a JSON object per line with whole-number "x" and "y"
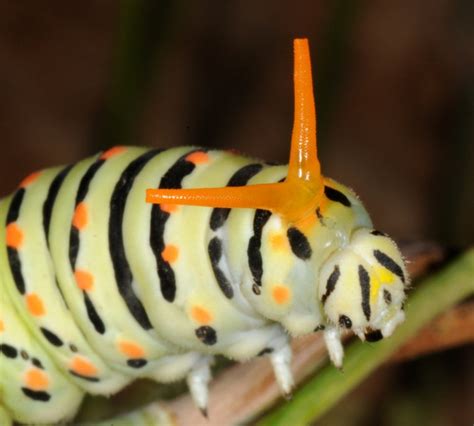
{"x": 395, "y": 98}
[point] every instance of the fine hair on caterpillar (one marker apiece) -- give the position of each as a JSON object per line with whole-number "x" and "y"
{"x": 148, "y": 262}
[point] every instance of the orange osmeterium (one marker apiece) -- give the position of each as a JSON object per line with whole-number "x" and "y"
{"x": 302, "y": 190}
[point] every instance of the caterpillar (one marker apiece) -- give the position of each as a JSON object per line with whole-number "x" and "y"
{"x": 148, "y": 262}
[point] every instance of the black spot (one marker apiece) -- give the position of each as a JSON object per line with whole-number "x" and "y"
{"x": 15, "y": 205}
{"x": 13, "y": 256}
{"x": 253, "y": 251}
{"x": 320, "y": 216}
{"x": 167, "y": 281}
{"x": 206, "y": 335}
{"x": 256, "y": 289}
{"x": 51, "y": 199}
{"x": 93, "y": 315}
{"x": 239, "y": 178}
{"x": 387, "y": 262}
{"x": 215, "y": 253}
{"x": 37, "y": 363}
{"x": 320, "y": 327}
{"x": 364, "y": 281}
{"x": 374, "y": 336}
{"x": 137, "y": 363}
{"x": 378, "y": 233}
{"x": 337, "y": 196}
{"x": 331, "y": 283}
{"x": 73, "y": 348}
{"x": 36, "y": 395}
{"x": 87, "y": 179}
{"x": 80, "y": 376}
{"x": 73, "y": 246}
{"x": 265, "y": 351}
{"x": 123, "y": 274}
{"x": 387, "y": 296}
{"x": 8, "y": 351}
{"x": 51, "y": 337}
{"x": 15, "y": 266}
{"x": 24, "y": 355}
{"x": 345, "y": 321}
{"x": 299, "y": 244}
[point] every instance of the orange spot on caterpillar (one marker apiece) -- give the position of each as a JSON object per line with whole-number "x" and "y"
{"x": 278, "y": 241}
{"x": 84, "y": 279}
{"x": 14, "y": 236}
{"x": 201, "y": 315}
{"x": 35, "y": 305}
{"x": 198, "y": 157}
{"x": 131, "y": 349}
{"x": 281, "y": 294}
{"x": 170, "y": 253}
{"x": 80, "y": 216}
{"x": 29, "y": 179}
{"x": 83, "y": 366}
{"x": 169, "y": 208}
{"x": 112, "y": 152}
{"x": 2, "y": 326}
{"x": 36, "y": 379}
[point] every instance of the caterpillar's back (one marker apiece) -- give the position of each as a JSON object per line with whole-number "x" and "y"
{"x": 100, "y": 287}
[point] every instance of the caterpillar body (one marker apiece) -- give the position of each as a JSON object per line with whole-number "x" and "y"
{"x": 228, "y": 256}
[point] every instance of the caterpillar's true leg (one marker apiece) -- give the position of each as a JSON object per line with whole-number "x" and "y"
{"x": 281, "y": 362}
{"x": 332, "y": 337}
{"x": 198, "y": 380}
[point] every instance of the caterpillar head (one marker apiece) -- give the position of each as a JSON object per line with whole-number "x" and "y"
{"x": 362, "y": 286}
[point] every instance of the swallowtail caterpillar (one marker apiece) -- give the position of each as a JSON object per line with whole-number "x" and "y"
{"x": 228, "y": 255}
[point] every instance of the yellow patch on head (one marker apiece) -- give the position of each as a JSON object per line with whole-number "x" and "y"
{"x": 35, "y": 305}
{"x": 83, "y": 366}
{"x": 36, "y": 379}
{"x": 379, "y": 277}
{"x": 278, "y": 241}
{"x": 201, "y": 315}
{"x": 131, "y": 349}
{"x": 281, "y": 294}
